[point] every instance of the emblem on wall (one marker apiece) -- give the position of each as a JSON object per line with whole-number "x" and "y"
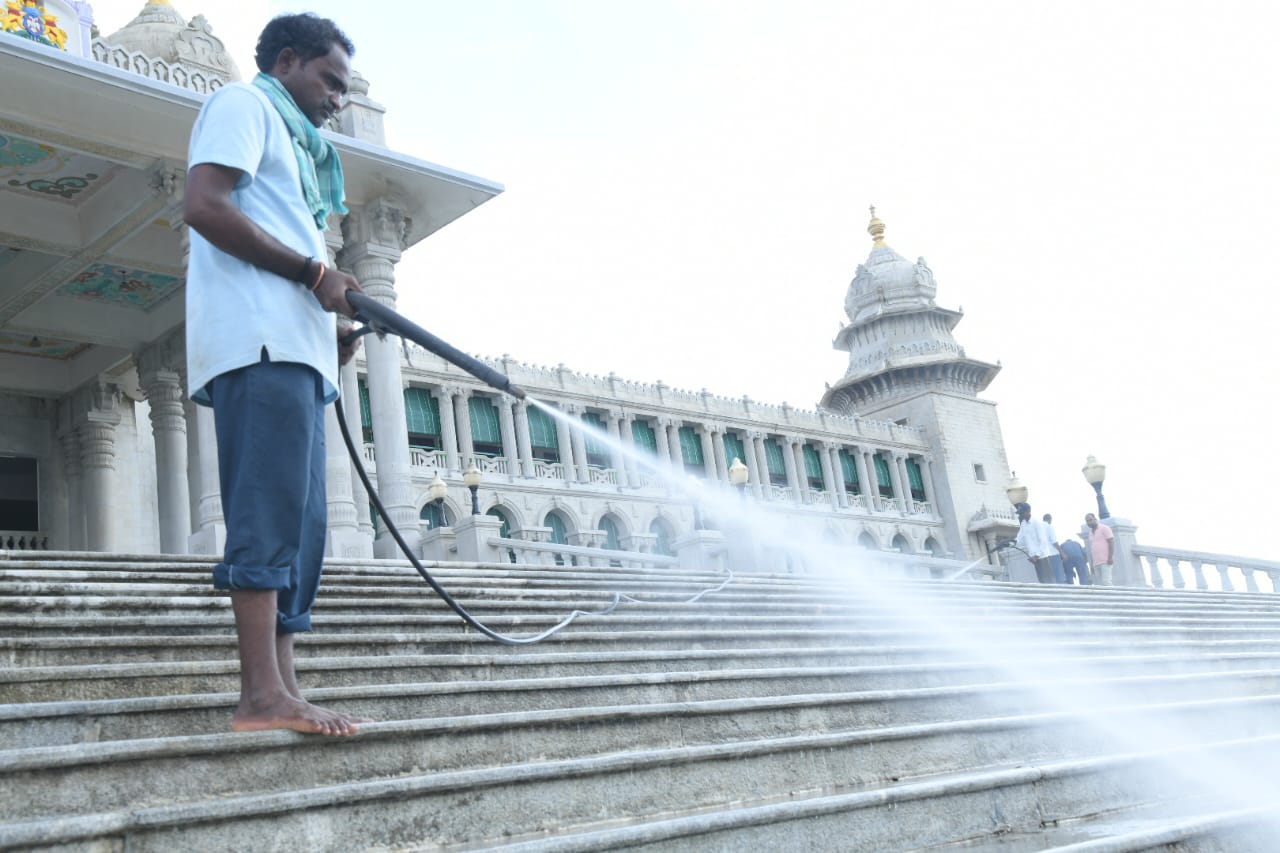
{"x": 28, "y": 19}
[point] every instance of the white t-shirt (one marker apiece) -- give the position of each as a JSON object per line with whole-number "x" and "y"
{"x": 1034, "y": 538}
{"x": 234, "y": 309}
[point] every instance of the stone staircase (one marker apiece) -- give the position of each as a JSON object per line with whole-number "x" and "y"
{"x": 782, "y": 712}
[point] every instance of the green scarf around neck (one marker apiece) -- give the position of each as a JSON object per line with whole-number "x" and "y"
{"x": 318, "y": 162}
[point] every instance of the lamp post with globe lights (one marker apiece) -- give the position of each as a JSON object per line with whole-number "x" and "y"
{"x": 1015, "y": 490}
{"x": 471, "y": 478}
{"x": 436, "y": 491}
{"x": 1094, "y": 473}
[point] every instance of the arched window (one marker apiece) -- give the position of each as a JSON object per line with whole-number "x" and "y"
{"x": 505, "y": 530}
{"x": 659, "y": 528}
{"x": 612, "y": 539}
{"x": 559, "y": 533}
{"x": 934, "y": 547}
{"x": 866, "y": 540}
{"x": 435, "y": 515}
{"x": 901, "y": 545}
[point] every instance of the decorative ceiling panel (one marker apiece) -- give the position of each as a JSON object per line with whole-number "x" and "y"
{"x": 38, "y": 347}
{"x": 28, "y": 167}
{"x": 115, "y": 285}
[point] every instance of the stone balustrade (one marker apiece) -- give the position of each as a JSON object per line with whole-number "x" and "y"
{"x": 534, "y": 552}
{"x": 24, "y": 540}
{"x": 1164, "y": 568}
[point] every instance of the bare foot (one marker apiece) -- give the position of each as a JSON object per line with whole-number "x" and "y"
{"x": 294, "y": 714}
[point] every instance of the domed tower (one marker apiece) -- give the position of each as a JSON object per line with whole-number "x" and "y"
{"x": 905, "y": 366}
{"x": 159, "y": 32}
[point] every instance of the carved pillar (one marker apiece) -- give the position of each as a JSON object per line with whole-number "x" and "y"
{"x": 448, "y": 427}
{"x": 374, "y": 238}
{"x": 523, "y": 441}
{"x": 926, "y": 472}
{"x": 789, "y": 462}
{"x": 673, "y": 442}
{"x": 69, "y": 438}
{"x": 627, "y": 429}
{"x": 565, "y": 440}
{"x": 828, "y": 477}
{"x": 350, "y": 402}
{"x": 759, "y": 471}
{"x": 98, "y": 459}
{"x": 466, "y": 443}
{"x": 662, "y": 438}
{"x": 832, "y": 450}
{"x": 579, "y": 439}
{"x": 708, "y": 452}
{"x": 161, "y": 382}
{"x": 507, "y": 426}
{"x": 722, "y": 463}
{"x": 211, "y": 531}
{"x": 900, "y": 494}
{"x": 870, "y": 487}
{"x": 618, "y": 460}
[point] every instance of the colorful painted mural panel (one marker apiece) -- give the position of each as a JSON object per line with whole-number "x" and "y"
{"x": 121, "y": 286}
{"x": 28, "y": 19}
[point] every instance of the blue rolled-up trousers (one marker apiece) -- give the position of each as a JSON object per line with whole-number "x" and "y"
{"x": 269, "y": 420}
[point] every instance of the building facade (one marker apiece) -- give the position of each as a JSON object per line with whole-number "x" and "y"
{"x": 101, "y": 450}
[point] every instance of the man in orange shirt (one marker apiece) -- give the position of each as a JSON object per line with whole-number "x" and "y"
{"x": 1102, "y": 550}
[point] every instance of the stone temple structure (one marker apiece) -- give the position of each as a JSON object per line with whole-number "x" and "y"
{"x": 101, "y": 450}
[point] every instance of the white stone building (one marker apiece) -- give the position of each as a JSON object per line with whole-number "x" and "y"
{"x": 100, "y": 449}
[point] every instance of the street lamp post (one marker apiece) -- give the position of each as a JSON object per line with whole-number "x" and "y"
{"x": 471, "y": 478}
{"x": 738, "y": 474}
{"x": 436, "y": 490}
{"x": 1015, "y": 490}
{"x": 1094, "y": 473}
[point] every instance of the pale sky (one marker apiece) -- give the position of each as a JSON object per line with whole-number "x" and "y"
{"x": 687, "y": 183}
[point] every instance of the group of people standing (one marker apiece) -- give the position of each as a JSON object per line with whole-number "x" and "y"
{"x": 1066, "y": 561}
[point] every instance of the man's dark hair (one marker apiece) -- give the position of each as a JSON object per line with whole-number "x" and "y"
{"x": 308, "y": 34}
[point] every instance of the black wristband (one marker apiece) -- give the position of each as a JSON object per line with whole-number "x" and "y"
{"x": 304, "y": 274}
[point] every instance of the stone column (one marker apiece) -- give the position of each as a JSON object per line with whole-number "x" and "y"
{"x": 664, "y": 444}
{"x": 828, "y": 478}
{"x": 69, "y": 438}
{"x": 211, "y": 532}
{"x": 98, "y": 459}
{"x": 161, "y": 382}
{"x": 466, "y": 444}
{"x": 565, "y": 440}
{"x": 708, "y": 452}
{"x": 524, "y": 442}
{"x": 895, "y": 475}
{"x": 759, "y": 471}
{"x": 507, "y": 427}
{"x": 870, "y": 486}
{"x": 789, "y": 462}
{"x": 619, "y": 460}
{"x": 926, "y": 474}
{"x": 448, "y": 428}
{"x": 629, "y": 441}
{"x": 374, "y": 238}
{"x": 673, "y": 442}
{"x": 722, "y": 463}
{"x": 833, "y": 459}
{"x": 578, "y": 437}
{"x": 350, "y": 402}
{"x": 343, "y": 537}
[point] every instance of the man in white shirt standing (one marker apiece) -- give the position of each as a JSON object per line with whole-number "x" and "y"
{"x": 1035, "y": 540}
{"x": 263, "y": 346}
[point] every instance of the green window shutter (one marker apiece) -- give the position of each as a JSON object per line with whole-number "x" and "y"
{"x": 612, "y": 540}
{"x": 849, "y": 468}
{"x": 916, "y": 479}
{"x": 595, "y": 445}
{"x": 812, "y": 464}
{"x": 542, "y": 430}
{"x": 484, "y": 421}
{"x": 366, "y": 410}
{"x": 421, "y": 411}
{"x": 773, "y": 454}
{"x": 883, "y": 477}
{"x": 559, "y": 536}
{"x": 690, "y": 446}
{"x": 733, "y": 449}
{"x": 505, "y": 530}
{"x": 645, "y": 436}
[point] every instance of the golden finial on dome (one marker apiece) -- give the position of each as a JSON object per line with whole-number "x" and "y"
{"x": 876, "y": 229}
